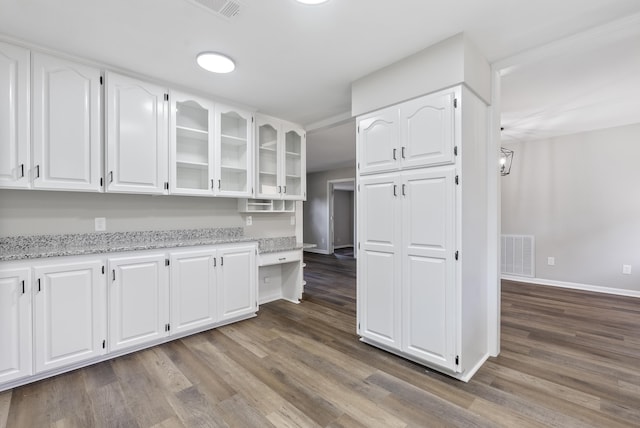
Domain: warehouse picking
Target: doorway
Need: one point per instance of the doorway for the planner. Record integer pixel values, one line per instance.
(341, 217)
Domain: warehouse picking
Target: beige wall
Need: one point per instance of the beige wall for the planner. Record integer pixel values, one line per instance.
(578, 195)
(32, 212)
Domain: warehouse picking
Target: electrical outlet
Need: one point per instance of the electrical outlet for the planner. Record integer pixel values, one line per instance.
(100, 224)
(249, 220)
(293, 220)
(551, 261)
(626, 269)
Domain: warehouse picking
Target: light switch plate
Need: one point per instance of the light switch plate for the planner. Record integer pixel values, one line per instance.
(551, 261)
(100, 224)
(626, 269)
(249, 220)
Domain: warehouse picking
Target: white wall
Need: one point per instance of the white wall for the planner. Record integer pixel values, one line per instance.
(33, 212)
(315, 207)
(578, 195)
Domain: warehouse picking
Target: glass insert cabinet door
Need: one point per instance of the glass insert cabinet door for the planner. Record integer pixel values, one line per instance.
(191, 144)
(233, 171)
(293, 161)
(268, 180)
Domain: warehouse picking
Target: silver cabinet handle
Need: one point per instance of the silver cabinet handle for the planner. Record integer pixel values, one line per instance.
(212, 183)
(394, 154)
(37, 171)
(221, 261)
(279, 189)
(282, 259)
(21, 170)
(403, 191)
(110, 176)
(395, 190)
(219, 184)
(403, 148)
(284, 189)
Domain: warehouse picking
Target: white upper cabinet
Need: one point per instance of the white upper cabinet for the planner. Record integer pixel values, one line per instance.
(426, 130)
(14, 117)
(67, 149)
(294, 162)
(416, 134)
(234, 152)
(377, 141)
(281, 160)
(136, 130)
(191, 145)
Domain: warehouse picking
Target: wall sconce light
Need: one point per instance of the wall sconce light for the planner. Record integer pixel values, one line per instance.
(506, 157)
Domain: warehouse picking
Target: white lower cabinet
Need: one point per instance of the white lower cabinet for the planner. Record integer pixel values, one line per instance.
(88, 308)
(193, 290)
(237, 290)
(212, 285)
(15, 324)
(138, 300)
(69, 308)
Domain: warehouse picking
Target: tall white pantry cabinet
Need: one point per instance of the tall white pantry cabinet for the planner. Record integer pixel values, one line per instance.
(422, 195)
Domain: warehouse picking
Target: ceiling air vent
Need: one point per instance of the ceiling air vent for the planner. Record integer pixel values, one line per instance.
(224, 8)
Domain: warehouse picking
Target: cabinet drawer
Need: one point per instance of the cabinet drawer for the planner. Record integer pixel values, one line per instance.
(279, 257)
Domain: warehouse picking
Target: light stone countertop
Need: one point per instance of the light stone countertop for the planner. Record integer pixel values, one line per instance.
(43, 246)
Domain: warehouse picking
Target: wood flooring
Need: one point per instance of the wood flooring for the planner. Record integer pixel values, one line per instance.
(569, 359)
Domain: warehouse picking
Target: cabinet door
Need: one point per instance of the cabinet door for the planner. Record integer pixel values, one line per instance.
(234, 152)
(191, 145)
(378, 148)
(193, 290)
(237, 274)
(138, 306)
(379, 260)
(267, 159)
(293, 163)
(427, 130)
(429, 288)
(15, 324)
(136, 130)
(14, 117)
(67, 147)
(69, 307)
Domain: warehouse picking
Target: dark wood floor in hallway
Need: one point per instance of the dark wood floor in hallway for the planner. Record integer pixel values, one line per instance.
(569, 359)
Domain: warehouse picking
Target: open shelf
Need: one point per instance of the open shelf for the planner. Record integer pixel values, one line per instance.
(266, 206)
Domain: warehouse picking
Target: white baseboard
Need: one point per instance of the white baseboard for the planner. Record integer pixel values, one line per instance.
(574, 286)
(316, 250)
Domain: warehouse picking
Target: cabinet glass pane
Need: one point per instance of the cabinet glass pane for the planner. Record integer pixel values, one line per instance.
(192, 146)
(293, 163)
(233, 152)
(267, 159)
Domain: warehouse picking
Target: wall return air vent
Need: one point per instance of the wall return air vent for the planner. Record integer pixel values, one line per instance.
(227, 9)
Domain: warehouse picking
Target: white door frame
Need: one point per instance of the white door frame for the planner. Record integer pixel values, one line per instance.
(330, 203)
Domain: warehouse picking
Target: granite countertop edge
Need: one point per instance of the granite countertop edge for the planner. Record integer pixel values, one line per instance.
(265, 246)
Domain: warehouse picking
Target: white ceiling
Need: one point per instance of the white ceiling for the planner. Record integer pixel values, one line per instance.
(578, 85)
(293, 61)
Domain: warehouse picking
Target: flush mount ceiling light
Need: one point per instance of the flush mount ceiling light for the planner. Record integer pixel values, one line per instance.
(215, 62)
(312, 1)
